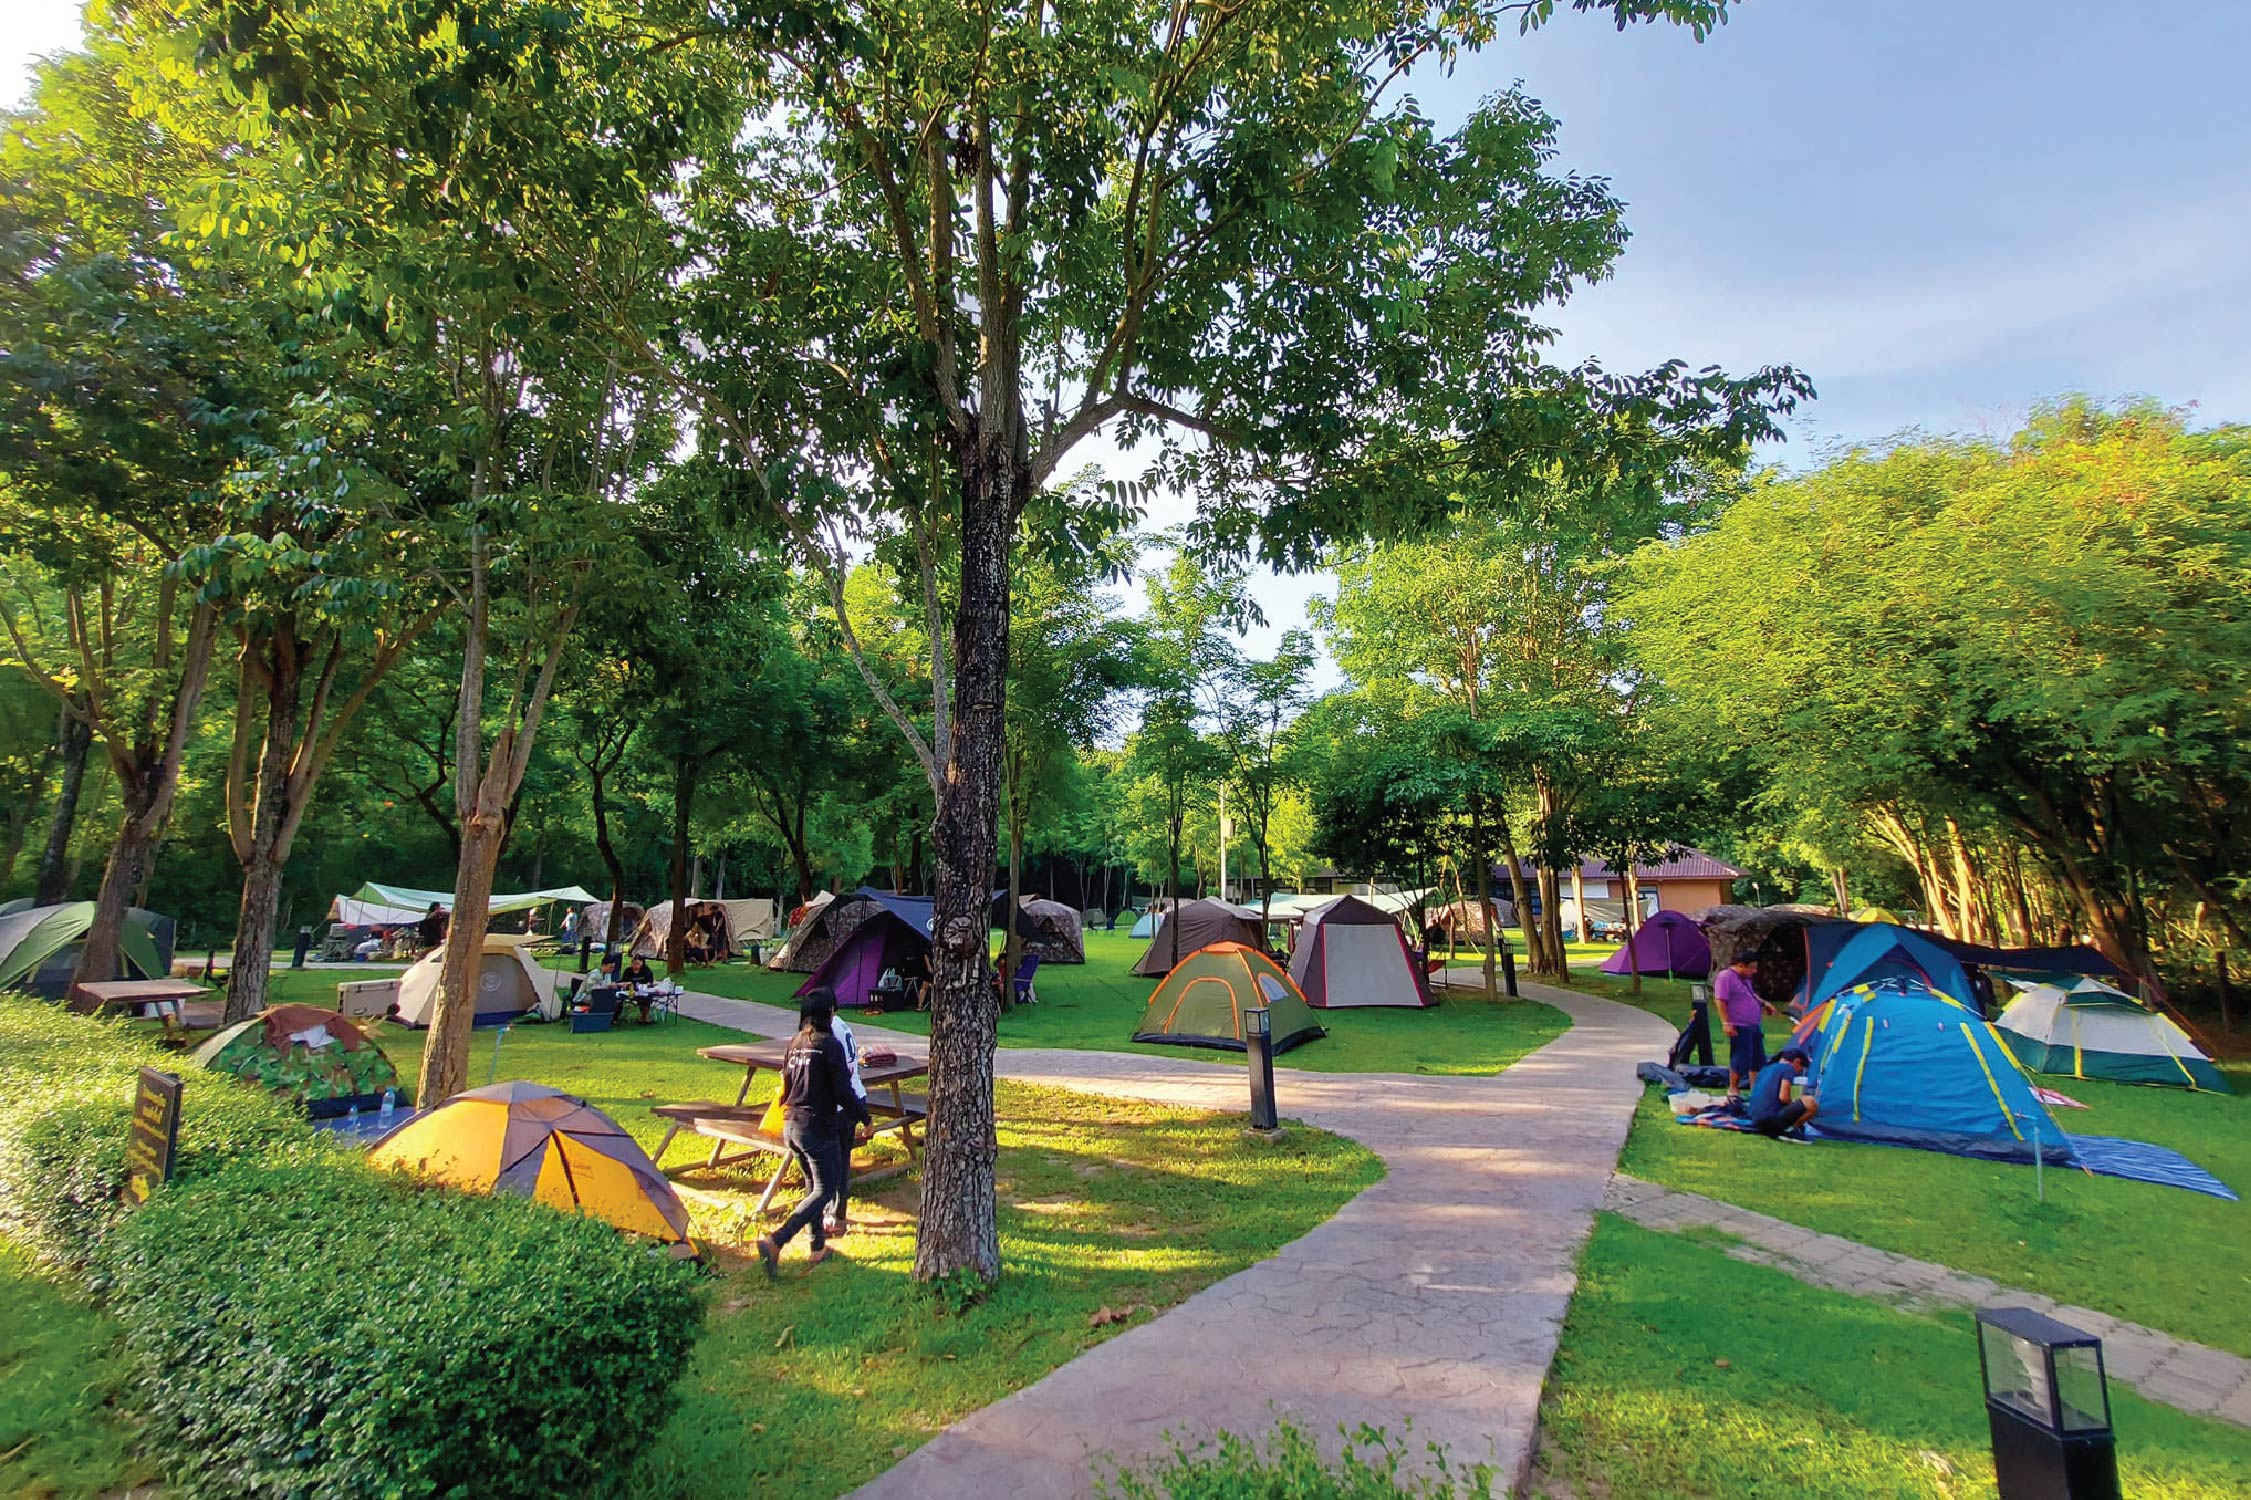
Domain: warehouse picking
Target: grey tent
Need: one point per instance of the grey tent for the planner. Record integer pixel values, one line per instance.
(1061, 939)
(1351, 953)
(828, 921)
(1196, 925)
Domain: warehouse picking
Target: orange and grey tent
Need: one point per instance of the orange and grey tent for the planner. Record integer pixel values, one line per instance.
(543, 1144)
(1201, 1002)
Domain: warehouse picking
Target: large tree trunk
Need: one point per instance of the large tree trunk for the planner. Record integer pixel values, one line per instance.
(959, 1232)
(606, 847)
(101, 957)
(684, 774)
(74, 741)
(1633, 910)
(251, 969)
(1486, 918)
(445, 1057)
(261, 849)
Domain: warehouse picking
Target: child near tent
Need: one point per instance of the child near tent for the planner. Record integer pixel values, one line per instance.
(816, 1098)
(1777, 1108)
(1741, 1012)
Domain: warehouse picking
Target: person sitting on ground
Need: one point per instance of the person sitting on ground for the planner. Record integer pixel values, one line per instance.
(699, 944)
(1777, 1108)
(1741, 1012)
(816, 1098)
(367, 947)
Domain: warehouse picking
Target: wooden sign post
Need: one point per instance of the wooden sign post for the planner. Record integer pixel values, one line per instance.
(156, 1134)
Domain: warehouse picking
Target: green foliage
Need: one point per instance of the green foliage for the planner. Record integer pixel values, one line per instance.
(64, 1432)
(323, 1328)
(1286, 1463)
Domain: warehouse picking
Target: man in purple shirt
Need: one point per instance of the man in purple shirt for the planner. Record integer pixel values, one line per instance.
(1741, 1011)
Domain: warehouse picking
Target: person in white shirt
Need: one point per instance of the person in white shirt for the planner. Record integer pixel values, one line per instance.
(843, 1034)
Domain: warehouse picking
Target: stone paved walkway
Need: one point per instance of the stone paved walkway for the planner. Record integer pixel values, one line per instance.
(1436, 1295)
(2209, 1382)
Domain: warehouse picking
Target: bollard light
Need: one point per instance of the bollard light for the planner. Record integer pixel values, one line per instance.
(2048, 1405)
(1258, 1041)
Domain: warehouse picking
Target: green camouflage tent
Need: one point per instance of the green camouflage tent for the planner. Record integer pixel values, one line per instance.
(317, 1058)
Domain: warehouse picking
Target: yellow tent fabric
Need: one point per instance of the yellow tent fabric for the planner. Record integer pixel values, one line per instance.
(543, 1144)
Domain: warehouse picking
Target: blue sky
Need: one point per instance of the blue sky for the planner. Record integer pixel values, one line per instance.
(1941, 210)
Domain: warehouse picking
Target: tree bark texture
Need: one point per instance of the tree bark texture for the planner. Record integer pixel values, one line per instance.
(74, 742)
(262, 848)
(684, 773)
(959, 1231)
(445, 1058)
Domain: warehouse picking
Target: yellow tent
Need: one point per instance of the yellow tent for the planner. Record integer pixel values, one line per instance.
(543, 1144)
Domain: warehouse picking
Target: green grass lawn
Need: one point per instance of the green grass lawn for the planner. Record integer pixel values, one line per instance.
(61, 1436)
(1688, 1375)
(2175, 1260)
(1096, 1005)
(819, 1383)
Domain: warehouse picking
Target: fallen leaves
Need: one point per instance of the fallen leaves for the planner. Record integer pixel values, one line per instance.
(1105, 1315)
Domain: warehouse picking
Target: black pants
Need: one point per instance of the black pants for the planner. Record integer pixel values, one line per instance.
(819, 1154)
(1787, 1118)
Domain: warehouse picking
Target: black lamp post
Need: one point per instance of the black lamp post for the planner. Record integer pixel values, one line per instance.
(1258, 1041)
(2049, 1407)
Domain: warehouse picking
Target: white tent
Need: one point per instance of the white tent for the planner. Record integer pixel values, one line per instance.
(1351, 953)
(508, 983)
(353, 912)
(750, 917)
(415, 901)
(2090, 1030)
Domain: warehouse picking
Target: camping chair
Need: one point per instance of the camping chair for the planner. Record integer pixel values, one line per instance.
(1022, 984)
(666, 1004)
(336, 947)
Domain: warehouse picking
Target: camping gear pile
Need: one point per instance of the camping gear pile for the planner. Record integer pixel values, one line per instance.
(539, 1143)
(1202, 1000)
(316, 1058)
(1351, 952)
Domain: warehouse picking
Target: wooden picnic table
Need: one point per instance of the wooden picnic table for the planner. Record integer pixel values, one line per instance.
(740, 1125)
(173, 999)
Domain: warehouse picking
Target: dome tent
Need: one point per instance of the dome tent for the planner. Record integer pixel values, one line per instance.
(317, 1058)
(1201, 1002)
(654, 931)
(540, 1143)
(1196, 925)
(39, 946)
(1061, 937)
(1350, 953)
(2089, 1030)
(508, 983)
(1668, 943)
(827, 920)
(1897, 1063)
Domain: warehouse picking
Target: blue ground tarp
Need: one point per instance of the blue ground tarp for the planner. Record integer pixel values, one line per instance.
(2139, 1161)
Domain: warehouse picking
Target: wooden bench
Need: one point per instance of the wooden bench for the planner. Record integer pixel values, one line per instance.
(741, 1126)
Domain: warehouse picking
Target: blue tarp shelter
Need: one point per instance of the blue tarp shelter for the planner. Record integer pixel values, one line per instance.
(1895, 1062)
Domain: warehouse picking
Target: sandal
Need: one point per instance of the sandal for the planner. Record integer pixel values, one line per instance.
(819, 1255)
(770, 1257)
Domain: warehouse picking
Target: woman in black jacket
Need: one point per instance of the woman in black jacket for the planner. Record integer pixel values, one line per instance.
(817, 1099)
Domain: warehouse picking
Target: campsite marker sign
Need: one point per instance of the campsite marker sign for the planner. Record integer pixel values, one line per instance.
(155, 1133)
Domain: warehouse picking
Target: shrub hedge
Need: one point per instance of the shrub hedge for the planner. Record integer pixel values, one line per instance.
(300, 1325)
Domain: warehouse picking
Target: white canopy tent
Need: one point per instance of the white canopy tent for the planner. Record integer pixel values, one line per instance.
(410, 904)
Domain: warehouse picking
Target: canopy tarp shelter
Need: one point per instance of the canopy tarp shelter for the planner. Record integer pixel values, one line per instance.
(39, 947)
(654, 930)
(1896, 1062)
(353, 912)
(1198, 924)
(1061, 938)
(1201, 1002)
(407, 898)
(1668, 943)
(539, 1143)
(2087, 1029)
(317, 1058)
(1352, 953)
(508, 983)
(884, 940)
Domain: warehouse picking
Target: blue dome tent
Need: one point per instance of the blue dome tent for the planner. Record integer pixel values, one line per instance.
(1840, 955)
(1897, 1063)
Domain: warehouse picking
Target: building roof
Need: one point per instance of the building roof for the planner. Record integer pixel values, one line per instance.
(1693, 864)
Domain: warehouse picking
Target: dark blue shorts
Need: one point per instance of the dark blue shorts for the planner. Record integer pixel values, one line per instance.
(1746, 1052)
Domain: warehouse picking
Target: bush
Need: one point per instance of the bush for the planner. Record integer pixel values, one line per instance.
(1287, 1465)
(300, 1325)
(325, 1329)
(66, 1104)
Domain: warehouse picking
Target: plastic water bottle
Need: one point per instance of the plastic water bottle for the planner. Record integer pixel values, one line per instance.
(390, 1104)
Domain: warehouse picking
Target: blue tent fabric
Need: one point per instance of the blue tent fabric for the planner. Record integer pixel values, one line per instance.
(1839, 956)
(1896, 1063)
(2139, 1161)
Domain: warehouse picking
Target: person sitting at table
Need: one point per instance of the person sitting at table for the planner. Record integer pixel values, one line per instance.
(914, 979)
(816, 1099)
(637, 979)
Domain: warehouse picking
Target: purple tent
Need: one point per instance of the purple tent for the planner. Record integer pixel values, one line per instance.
(883, 941)
(1667, 943)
